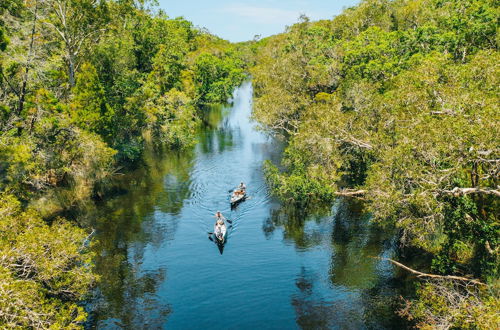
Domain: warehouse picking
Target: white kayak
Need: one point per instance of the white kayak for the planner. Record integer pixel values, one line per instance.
(220, 233)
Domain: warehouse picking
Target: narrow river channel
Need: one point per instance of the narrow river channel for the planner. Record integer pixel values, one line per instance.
(282, 268)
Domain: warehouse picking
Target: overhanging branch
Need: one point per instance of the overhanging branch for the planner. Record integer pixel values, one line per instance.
(420, 274)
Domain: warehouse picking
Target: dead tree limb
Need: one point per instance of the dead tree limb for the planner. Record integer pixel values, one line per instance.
(467, 191)
(87, 239)
(349, 192)
(420, 274)
(8, 83)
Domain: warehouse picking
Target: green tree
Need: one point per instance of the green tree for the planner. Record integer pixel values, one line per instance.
(78, 23)
(89, 108)
(216, 77)
(44, 270)
(83, 85)
(172, 119)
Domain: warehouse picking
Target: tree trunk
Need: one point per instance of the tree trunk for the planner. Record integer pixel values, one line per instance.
(71, 69)
(22, 93)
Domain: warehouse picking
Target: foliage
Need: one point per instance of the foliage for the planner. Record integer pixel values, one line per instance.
(397, 100)
(172, 118)
(44, 270)
(135, 72)
(53, 154)
(77, 24)
(443, 305)
(216, 77)
(297, 187)
(3, 40)
(89, 108)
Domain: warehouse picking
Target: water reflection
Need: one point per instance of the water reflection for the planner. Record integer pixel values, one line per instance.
(216, 136)
(304, 227)
(125, 230)
(358, 290)
(355, 241)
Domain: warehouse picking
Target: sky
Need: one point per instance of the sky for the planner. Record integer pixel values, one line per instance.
(242, 20)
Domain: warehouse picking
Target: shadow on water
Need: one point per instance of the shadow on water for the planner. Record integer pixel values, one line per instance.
(220, 246)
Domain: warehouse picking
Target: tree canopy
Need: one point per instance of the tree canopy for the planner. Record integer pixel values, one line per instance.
(395, 102)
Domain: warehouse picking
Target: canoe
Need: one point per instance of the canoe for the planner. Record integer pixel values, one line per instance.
(236, 198)
(220, 239)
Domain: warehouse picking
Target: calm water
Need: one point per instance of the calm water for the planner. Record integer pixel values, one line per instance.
(281, 268)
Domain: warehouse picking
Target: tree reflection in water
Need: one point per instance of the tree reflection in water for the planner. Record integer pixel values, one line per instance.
(216, 136)
(358, 291)
(125, 231)
(294, 220)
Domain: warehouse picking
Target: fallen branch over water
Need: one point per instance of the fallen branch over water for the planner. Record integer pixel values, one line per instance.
(455, 191)
(420, 274)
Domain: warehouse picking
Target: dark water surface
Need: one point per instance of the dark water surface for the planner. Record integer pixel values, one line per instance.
(282, 268)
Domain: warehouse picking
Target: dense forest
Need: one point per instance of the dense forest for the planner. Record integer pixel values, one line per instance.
(85, 86)
(396, 102)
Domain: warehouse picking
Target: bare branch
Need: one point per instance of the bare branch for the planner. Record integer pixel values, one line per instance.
(350, 192)
(467, 191)
(8, 83)
(420, 274)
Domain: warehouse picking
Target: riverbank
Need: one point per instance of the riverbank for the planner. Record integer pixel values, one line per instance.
(392, 103)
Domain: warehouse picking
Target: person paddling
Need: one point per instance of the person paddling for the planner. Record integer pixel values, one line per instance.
(240, 190)
(220, 226)
(219, 216)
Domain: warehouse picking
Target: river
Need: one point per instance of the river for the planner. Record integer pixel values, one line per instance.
(282, 268)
